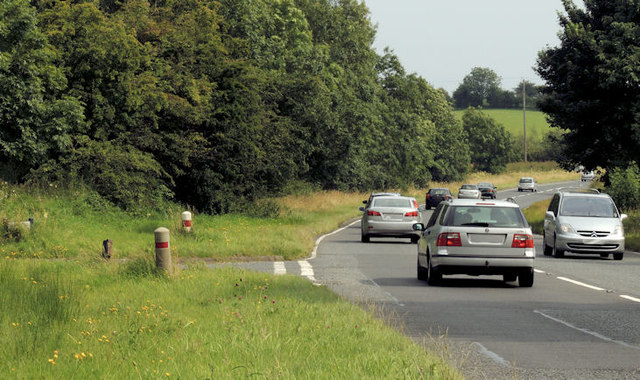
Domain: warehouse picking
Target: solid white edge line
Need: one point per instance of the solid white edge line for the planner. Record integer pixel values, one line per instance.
(634, 299)
(314, 252)
(592, 333)
(580, 283)
(492, 355)
(539, 271)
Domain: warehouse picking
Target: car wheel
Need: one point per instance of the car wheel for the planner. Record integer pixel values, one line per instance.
(546, 250)
(433, 274)
(557, 252)
(509, 277)
(364, 238)
(422, 273)
(618, 255)
(414, 239)
(525, 278)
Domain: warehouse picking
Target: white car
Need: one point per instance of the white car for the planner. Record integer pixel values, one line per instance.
(588, 176)
(390, 216)
(527, 184)
(468, 191)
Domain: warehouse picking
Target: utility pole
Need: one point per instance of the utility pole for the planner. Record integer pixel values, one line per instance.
(524, 117)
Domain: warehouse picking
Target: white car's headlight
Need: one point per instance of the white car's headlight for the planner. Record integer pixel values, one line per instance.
(567, 228)
(618, 231)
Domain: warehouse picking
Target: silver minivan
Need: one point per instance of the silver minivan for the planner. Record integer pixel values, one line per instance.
(582, 221)
(476, 237)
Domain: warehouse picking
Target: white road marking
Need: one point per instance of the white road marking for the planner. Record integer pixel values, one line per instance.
(592, 333)
(279, 268)
(492, 355)
(306, 270)
(539, 271)
(387, 293)
(580, 283)
(634, 299)
(314, 252)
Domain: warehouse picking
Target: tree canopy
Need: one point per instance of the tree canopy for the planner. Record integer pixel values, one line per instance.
(214, 103)
(592, 83)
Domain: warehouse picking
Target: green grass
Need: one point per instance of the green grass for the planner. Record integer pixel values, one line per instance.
(107, 320)
(512, 120)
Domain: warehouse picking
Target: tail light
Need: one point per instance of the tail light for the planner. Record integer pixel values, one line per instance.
(449, 239)
(415, 204)
(411, 213)
(522, 241)
(428, 196)
(373, 213)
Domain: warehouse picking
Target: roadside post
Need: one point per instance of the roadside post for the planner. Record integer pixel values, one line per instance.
(186, 221)
(163, 249)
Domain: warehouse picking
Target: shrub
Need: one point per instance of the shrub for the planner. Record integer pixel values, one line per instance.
(624, 186)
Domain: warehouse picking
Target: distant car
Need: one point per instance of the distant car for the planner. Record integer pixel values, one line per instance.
(476, 237)
(468, 191)
(487, 190)
(527, 184)
(390, 216)
(436, 195)
(373, 195)
(588, 176)
(583, 222)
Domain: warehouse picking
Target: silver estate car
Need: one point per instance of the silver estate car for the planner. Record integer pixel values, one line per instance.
(527, 184)
(390, 216)
(583, 222)
(468, 191)
(476, 237)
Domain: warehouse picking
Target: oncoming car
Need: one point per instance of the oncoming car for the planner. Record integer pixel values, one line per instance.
(583, 222)
(476, 237)
(390, 216)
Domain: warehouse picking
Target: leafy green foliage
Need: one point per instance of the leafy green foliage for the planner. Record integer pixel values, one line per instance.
(624, 186)
(489, 142)
(592, 88)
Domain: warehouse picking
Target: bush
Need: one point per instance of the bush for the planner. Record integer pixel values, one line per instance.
(624, 186)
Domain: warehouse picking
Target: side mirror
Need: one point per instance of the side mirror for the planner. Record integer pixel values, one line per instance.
(623, 216)
(361, 209)
(365, 202)
(549, 215)
(418, 227)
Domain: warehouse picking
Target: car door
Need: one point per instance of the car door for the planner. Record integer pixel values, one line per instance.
(550, 222)
(425, 238)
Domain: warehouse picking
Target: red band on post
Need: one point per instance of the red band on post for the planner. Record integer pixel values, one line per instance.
(162, 244)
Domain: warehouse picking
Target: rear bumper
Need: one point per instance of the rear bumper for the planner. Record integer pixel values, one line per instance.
(480, 265)
(397, 229)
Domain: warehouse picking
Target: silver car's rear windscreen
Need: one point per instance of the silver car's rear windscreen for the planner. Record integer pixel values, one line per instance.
(480, 216)
(391, 202)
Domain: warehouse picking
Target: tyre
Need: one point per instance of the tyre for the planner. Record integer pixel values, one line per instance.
(433, 274)
(618, 256)
(364, 238)
(546, 250)
(525, 278)
(422, 273)
(509, 277)
(557, 252)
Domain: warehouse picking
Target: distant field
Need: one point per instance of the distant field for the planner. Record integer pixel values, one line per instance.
(537, 125)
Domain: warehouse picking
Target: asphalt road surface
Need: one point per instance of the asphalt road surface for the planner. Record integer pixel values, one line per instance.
(580, 320)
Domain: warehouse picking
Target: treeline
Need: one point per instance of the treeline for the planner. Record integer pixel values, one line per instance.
(214, 103)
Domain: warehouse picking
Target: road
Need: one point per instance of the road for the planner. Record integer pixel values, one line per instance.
(580, 320)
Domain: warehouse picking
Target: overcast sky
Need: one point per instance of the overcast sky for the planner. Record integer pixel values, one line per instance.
(443, 40)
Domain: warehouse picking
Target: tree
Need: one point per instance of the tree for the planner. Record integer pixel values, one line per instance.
(36, 117)
(480, 88)
(489, 141)
(532, 94)
(592, 83)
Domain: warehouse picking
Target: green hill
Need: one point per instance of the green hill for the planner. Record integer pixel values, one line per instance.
(537, 125)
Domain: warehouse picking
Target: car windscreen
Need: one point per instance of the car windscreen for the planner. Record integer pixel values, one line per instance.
(588, 206)
(392, 202)
(469, 187)
(438, 192)
(485, 216)
(526, 180)
(484, 185)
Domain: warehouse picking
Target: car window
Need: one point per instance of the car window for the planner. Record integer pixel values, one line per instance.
(526, 180)
(434, 215)
(485, 216)
(588, 206)
(392, 202)
(469, 187)
(439, 191)
(553, 205)
(444, 213)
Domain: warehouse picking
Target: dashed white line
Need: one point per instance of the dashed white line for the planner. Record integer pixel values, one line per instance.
(592, 333)
(279, 268)
(634, 299)
(580, 283)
